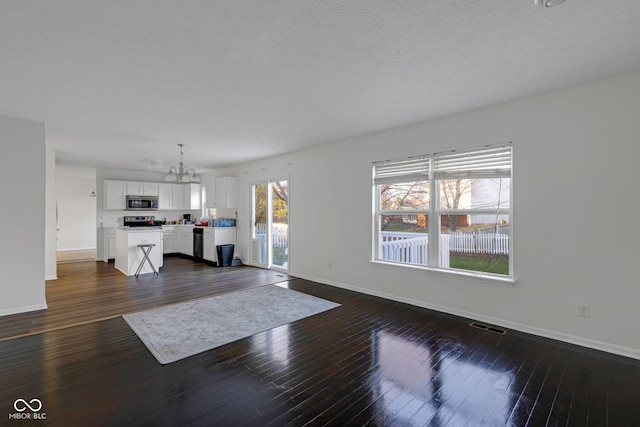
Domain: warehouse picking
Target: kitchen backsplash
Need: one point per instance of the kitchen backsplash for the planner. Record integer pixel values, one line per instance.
(116, 218)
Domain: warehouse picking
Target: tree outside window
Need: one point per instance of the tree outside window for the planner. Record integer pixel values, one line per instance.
(468, 214)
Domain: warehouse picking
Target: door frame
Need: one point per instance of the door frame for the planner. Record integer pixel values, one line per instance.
(269, 242)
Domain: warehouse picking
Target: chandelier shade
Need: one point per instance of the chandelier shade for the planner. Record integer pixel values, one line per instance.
(181, 173)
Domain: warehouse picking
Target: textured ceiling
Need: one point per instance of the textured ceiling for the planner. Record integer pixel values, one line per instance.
(119, 83)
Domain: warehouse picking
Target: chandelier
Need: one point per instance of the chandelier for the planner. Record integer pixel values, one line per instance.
(181, 173)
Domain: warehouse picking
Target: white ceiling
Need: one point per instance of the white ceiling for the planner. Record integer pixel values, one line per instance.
(119, 83)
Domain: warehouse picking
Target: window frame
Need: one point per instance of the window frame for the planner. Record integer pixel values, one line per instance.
(435, 211)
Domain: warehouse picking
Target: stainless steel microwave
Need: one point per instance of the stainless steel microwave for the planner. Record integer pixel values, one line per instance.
(142, 203)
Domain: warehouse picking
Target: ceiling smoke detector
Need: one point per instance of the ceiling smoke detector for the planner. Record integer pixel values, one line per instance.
(548, 3)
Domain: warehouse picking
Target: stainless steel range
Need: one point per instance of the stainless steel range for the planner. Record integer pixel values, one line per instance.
(142, 221)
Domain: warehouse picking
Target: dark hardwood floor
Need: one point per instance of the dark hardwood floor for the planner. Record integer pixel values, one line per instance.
(90, 291)
(368, 362)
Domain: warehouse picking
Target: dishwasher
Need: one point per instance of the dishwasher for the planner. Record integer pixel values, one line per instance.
(198, 243)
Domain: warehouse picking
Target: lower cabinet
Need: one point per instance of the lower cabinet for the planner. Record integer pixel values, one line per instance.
(214, 237)
(130, 256)
(169, 245)
(108, 244)
(111, 254)
(209, 246)
(179, 239)
(185, 240)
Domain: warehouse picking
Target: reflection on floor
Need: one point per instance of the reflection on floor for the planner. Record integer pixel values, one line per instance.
(369, 362)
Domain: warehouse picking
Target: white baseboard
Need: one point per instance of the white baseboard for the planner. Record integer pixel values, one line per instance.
(24, 309)
(534, 330)
(54, 277)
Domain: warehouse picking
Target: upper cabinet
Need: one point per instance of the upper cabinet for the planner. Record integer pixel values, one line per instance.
(115, 193)
(179, 196)
(135, 188)
(227, 192)
(193, 196)
(170, 196)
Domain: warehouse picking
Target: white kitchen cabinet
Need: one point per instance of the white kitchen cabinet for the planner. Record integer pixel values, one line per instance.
(177, 239)
(225, 235)
(178, 193)
(227, 192)
(136, 188)
(185, 240)
(111, 239)
(193, 196)
(169, 240)
(129, 255)
(114, 194)
(214, 236)
(209, 245)
(179, 196)
(171, 197)
(108, 243)
(165, 196)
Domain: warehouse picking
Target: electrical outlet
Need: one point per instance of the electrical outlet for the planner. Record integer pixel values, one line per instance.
(584, 310)
(330, 266)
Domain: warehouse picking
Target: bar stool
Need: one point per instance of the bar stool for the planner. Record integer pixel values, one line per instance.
(146, 249)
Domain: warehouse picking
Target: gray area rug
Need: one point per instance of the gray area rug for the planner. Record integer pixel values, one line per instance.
(181, 330)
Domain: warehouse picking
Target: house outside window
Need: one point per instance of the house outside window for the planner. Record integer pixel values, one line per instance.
(448, 211)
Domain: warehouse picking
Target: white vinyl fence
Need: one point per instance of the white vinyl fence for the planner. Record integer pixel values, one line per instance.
(279, 234)
(413, 248)
(479, 243)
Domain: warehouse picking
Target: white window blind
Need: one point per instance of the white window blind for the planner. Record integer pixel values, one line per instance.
(492, 161)
(411, 169)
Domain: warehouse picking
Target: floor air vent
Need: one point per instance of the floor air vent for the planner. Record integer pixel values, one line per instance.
(488, 328)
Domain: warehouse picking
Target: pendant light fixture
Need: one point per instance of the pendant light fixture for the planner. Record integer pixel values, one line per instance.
(181, 173)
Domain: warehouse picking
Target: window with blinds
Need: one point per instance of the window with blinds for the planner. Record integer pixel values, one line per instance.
(449, 211)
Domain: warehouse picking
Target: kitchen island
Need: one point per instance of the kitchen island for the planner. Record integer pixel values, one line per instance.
(129, 255)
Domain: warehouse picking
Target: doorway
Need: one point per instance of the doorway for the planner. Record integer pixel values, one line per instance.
(270, 224)
(76, 209)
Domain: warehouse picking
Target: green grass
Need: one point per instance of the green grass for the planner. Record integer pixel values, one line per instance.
(279, 256)
(497, 264)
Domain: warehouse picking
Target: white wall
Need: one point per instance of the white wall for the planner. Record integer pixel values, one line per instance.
(51, 235)
(575, 207)
(22, 213)
(76, 209)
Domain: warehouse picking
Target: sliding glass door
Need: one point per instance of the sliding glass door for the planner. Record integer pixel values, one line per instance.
(270, 224)
(259, 243)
